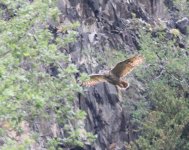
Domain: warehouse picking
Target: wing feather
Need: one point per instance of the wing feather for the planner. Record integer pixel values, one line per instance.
(94, 79)
(125, 67)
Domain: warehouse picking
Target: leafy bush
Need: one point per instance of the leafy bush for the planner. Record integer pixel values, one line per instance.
(37, 80)
(175, 32)
(167, 78)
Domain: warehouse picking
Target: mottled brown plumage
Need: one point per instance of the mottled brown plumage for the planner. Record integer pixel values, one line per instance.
(116, 75)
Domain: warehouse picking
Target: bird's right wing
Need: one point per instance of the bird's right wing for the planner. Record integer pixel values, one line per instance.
(94, 79)
(125, 67)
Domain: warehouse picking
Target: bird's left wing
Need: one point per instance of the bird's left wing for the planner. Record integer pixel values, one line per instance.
(94, 79)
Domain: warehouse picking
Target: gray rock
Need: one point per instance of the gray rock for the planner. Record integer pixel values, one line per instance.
(182, 25)
(105, 115)
(108, 24)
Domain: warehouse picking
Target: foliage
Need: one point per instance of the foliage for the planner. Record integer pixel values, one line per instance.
(30, 90)
(167, 78)
(175, 32)
(182, 6)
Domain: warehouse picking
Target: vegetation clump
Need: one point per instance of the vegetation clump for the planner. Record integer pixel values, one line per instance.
(165, 118)
(36, 88)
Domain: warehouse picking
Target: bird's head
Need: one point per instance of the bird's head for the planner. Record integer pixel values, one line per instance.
(136, 60)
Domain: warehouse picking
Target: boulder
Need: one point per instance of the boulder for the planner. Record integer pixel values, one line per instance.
(182, 25)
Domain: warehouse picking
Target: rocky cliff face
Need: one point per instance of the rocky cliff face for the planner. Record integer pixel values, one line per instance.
(107, 24)
(108, 33)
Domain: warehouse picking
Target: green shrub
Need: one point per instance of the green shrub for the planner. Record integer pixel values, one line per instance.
(166, 77)
(28, 92)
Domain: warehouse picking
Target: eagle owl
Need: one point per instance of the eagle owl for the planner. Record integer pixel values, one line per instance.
(116, 75)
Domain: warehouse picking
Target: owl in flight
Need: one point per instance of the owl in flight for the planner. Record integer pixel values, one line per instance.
(116, 75)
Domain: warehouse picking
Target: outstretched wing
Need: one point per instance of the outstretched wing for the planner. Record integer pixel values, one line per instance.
(125, 67)
(94, 79)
